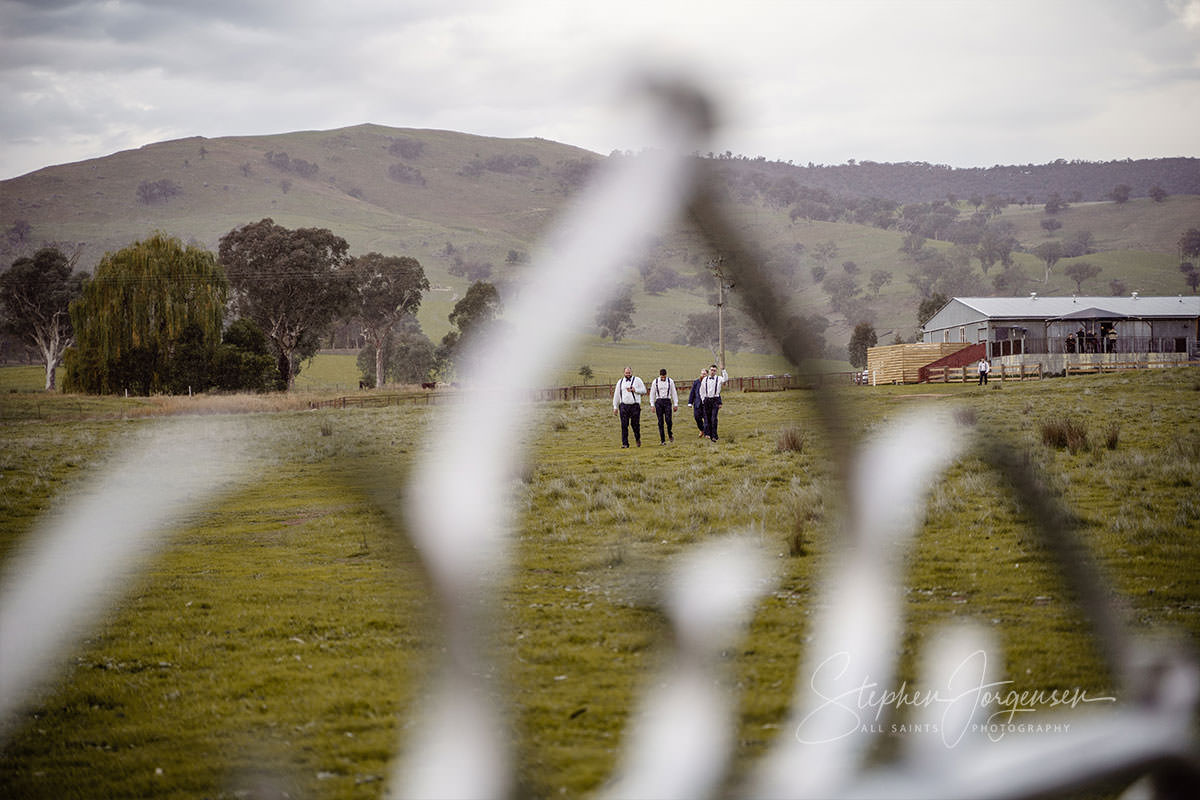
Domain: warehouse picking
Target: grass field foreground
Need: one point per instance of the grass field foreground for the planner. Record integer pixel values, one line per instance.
(284, 637)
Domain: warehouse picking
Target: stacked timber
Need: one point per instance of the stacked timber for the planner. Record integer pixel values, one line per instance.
(901, 363)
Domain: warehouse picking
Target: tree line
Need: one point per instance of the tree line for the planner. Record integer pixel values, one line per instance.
(162, 316)
(907, 182)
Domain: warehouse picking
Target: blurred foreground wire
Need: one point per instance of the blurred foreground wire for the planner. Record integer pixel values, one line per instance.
(683, 736)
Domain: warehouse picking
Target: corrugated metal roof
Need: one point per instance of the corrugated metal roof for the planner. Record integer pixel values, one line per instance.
(1038, 307)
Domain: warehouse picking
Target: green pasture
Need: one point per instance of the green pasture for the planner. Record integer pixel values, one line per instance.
(282, 639)
(607, 359)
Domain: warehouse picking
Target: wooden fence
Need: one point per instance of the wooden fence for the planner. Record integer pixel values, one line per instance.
(1116, 366)
(602, 391)
(1021, 372)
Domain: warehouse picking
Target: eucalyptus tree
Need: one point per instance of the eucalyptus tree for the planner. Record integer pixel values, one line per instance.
(476, 312)
(1080, 271)
(35, 297)
(614, 317)
(386, 289)
(140, 310)
(864, 337)
(1050, 252)
(291, 283)
(1189, 244)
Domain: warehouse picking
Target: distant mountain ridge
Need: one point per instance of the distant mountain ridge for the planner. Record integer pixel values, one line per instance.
(1082, 181)
(470, 206)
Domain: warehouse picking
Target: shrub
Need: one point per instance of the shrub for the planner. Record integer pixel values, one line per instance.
(1067, 433)
(406, 174)
(966, 416)
(404, 147)
(1112, 435)
(160, 191)
(790, 440)
(796, 540)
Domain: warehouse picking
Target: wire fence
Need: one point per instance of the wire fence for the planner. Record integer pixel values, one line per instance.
(681, 734)
(590, 391)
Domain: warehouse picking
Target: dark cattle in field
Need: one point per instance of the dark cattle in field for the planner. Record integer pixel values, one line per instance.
(428, 385)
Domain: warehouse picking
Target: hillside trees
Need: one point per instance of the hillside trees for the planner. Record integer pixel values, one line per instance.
(148, 315)
(995, 245)
(243, 361)
(291, 283)
(1011, 280)
(1189, 244)
(1054, 204)
(386, 289)
(864, 336)
(476, 311)
(879, 279)
(408, 355)
(1049, 252)
(281, 161)
(930, 306)
(160, 191)
(18, 232)
(35, 297)
(1080, 271)
(701, 330)
(615, 315)
(937, 273)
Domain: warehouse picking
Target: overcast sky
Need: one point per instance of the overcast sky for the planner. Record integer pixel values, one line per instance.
(953, 82)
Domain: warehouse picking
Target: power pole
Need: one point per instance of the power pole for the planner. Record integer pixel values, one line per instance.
(717, 265)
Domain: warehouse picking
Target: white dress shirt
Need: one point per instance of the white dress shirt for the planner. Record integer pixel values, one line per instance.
(628, 390)
(664, 389)
(711, 385)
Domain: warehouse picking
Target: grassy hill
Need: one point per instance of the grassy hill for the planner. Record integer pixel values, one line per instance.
(443, 197)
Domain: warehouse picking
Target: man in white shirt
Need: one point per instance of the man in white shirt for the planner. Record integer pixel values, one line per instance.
(665, 399)
(984, 369)
(627, 403)
(710, 399)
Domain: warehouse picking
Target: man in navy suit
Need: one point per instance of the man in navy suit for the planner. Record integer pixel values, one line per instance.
(695, 404)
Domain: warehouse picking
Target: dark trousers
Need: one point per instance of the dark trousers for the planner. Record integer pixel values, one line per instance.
(631, 415)
(662, 409)
(712, 406)
(698, 414)
(983, 373)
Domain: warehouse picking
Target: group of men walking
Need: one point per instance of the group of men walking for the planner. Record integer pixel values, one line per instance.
(704, 400)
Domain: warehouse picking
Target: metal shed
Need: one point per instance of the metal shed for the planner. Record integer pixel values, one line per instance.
(1050, 330)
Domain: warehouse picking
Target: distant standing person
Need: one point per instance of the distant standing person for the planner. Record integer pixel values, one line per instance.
(695, 404)
(710, 399)
(984, 369)
(627, 403)
(665, 398)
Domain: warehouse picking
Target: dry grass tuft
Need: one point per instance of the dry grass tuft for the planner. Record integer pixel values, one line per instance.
(1112, 435)
(1069, 434)
(966, 416)
(790, 440)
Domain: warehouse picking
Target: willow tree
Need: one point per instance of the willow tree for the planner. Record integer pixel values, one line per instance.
(140, 310)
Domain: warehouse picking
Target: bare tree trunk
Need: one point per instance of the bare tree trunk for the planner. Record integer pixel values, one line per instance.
(51, 347)
(285, 369)
(378, 365)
